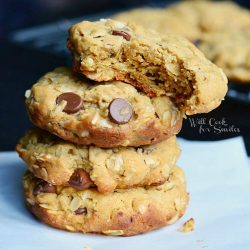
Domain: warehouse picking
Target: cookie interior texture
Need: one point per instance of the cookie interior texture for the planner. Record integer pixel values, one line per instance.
(157, 64)
(55, 161)
(153, 119)
(123, 212)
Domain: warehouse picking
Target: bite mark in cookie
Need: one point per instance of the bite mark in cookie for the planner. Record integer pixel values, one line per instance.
(155, 64)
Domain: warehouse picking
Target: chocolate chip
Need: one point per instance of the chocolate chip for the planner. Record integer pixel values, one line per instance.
(119, 214)
(124, 34)
(158, 183)
(120, 111)
(80, 179)
(81, 210)
(44, 187)
(197, 42)
(74, 102)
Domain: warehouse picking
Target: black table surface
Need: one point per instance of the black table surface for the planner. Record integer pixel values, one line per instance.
(21, 67)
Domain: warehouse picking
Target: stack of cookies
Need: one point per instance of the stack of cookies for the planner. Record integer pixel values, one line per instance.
(103, 158)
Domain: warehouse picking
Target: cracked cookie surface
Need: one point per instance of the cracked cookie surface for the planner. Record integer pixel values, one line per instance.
(124, 212)
(159, 65)
(55, 161)
(153, 120)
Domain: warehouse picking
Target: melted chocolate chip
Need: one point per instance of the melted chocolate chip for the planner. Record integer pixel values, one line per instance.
(80, 180)
(81, 210)
(120, 111)
(74, 102)
(124, 34)
(119, 214)
(44, 187)
(197, 42)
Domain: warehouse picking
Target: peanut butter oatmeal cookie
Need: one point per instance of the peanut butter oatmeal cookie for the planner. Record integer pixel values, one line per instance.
(62, 163)
(207, 17)
(122, 213)
(191, 19)
(162, 21)
(230, 51)
(106, 115)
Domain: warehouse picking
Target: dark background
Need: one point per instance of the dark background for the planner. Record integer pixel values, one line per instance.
(22, 65)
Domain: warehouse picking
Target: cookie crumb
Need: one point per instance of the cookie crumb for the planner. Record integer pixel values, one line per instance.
(27, 93)
(87, 247)
(188, 226)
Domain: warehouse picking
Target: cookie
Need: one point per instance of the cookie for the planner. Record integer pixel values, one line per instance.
(162, 21)
(106, 115)
(231, 51)
(211, 16)
(191, 19)
(207, 17)
(59, 162)
(158, 65)
(122, 213)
